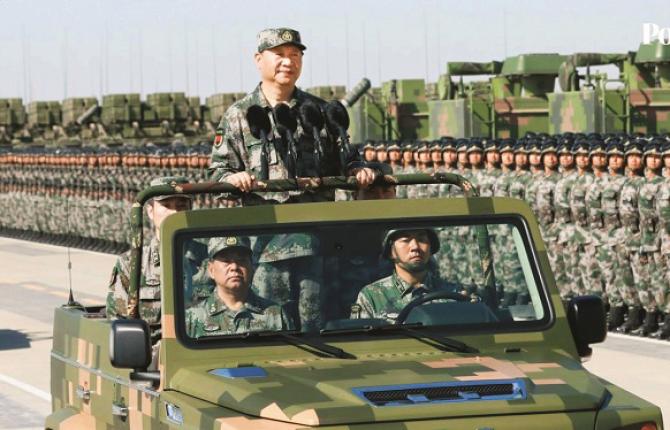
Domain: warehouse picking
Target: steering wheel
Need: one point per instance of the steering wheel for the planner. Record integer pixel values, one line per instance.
(428, 297)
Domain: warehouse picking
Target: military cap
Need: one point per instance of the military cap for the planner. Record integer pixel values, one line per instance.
(520, 147)
(565, 146)
(393, 234)
(490, 145)
(381, 146)
(634, 147)
(368, 145)
(665, 148)
(423, 147)
(436, 146)
(218, 244)
(549, 145)
(506, 145)
(448, 145)
(533, 146)
(598, 147)
(172, 181)
(461, 145)
(475, 146)
(615, 147)
(653, 147)
(273, 37)
(408, 147)
(581, 146)
(393, 147)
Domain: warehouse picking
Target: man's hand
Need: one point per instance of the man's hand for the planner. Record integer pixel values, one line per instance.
(242, 180)
(365, 177)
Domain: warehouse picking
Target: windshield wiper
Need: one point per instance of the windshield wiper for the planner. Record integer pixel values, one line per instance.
(290, 337)
(441, 343)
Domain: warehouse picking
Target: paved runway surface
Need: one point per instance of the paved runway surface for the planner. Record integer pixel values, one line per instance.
(34, 280)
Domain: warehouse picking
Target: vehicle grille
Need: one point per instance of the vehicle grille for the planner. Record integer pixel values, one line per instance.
(442, 392)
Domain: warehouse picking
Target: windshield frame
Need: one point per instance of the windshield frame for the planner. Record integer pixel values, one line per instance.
(181, 236)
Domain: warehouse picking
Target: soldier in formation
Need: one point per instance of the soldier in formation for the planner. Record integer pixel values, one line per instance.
(603, 204)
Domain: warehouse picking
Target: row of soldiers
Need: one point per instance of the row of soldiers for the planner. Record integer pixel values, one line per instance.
(81, 196)
(603, 204)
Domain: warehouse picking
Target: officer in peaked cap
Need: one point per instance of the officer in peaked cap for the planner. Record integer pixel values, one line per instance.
(232, 306)
(236, 154)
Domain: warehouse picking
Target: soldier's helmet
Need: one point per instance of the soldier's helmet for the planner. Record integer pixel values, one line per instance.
(218, 244)
(172, 181)
(635, 147)
(615, 148)
(533, 146)
(548, 146)
(581, 146)
(475, 146)
(393, 234)
(490, 145)
(653, 147)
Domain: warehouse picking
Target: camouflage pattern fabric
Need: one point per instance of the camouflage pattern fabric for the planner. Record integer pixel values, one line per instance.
(386, 297)
(212, 317)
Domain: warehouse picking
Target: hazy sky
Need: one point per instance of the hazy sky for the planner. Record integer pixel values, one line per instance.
(55, 49)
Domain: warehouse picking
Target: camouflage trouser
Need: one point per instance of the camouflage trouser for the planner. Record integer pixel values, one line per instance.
(296, 283)
(648, 274)
(621, 284)
(606, 257)
(571, 252)
(591, 278)
(555, 252)
(508, 272)
(448, 256)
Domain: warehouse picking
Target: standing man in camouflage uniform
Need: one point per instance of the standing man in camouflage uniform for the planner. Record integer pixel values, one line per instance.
(632, 260)
(652, 286)
(663, 214)
(289, 265)
(534, 148)
(580, 251)
(521, 176)
(119, 303)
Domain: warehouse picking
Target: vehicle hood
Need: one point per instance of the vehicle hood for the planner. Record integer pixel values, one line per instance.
(322, 391)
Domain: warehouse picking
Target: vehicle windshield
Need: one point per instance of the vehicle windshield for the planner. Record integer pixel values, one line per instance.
(353, 276)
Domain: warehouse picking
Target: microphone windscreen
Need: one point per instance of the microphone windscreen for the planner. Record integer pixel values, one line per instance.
(258, 121)
(337, 114)
(286, 116)
(311, 116)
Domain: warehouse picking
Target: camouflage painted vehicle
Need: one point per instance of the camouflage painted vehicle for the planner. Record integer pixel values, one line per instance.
(461, 361)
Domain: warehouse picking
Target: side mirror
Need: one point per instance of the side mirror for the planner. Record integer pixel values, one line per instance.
(130, 348)
(586, 315)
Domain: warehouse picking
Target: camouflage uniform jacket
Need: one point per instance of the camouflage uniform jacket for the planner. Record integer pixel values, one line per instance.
(628, 210)
(212, 317)
(236, 150)
(650, 240)
(487, 181)
(118, 301)
(520, 180)
(386, 297)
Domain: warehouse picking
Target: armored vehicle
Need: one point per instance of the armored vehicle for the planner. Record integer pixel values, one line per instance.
(382, 357)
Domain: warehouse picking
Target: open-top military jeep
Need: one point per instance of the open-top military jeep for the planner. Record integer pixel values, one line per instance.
(459, 357)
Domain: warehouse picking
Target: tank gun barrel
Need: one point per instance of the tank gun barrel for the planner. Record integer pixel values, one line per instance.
(356, 93)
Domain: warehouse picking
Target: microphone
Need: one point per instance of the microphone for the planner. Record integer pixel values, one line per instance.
(312, 122)
(337, 120)
(287, 124)
(260, 127)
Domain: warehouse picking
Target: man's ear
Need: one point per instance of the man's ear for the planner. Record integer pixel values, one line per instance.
(257, 59)
(210, 268)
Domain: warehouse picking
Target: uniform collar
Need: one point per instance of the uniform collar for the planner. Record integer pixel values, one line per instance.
(260, 99)
(404, 288)
(214, 305)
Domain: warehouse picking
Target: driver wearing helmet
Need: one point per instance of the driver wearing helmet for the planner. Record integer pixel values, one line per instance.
(410, 251)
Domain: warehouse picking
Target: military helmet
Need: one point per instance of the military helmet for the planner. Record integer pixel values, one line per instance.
(520, 147)
(506, 145)
(393, 147)
(533, 146)
(475, 146)
(436, 146)
(548, 146)
(392, 234)
(635, 147)
(461, 145)
(423, 147)
(490, 145)
(581, 146)
(653, 147)
(615, 148)
(218, 244)
(381, 146)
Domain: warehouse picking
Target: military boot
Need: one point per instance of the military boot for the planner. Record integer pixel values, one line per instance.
(616, 317)
(650, 325)
(664, 330)
(634, 321)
